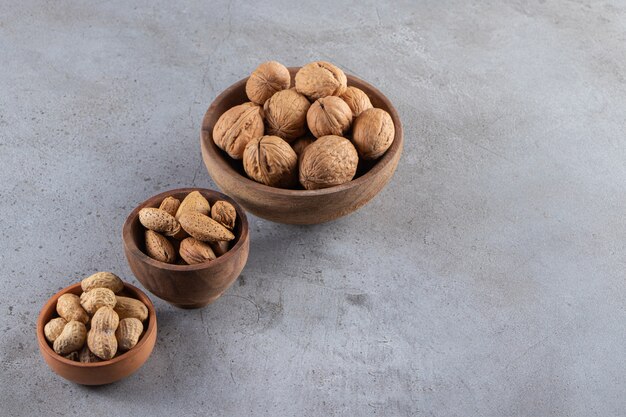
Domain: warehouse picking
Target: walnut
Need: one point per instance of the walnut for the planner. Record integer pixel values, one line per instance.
(267, 79)
(300, 144)
(329, 161)
(320, 79)
(285, 114)
(373, 133)
(271, 161)
(329, 116)
(357, 100)
(236, 127)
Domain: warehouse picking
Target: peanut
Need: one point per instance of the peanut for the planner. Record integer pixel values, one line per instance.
(102, 280)
(71, 338)
(101, 339)
(54, 328)
(68, 307)
(96, 298)
(130, 307)
(87, 356)
(128, 333)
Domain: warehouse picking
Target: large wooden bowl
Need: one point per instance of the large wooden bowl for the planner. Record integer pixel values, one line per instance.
(186, 286)
(297, 206)
(98, 373)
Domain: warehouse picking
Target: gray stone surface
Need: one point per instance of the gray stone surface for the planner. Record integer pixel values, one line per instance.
(487, 279)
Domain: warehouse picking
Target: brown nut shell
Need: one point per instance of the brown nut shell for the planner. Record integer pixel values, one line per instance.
(329, 116)
(220, 247)
(194, 201)
(159, 220)
(329, 161)
(267, 79)
(68, 307)
(87, 356)
(92, 300)
(128, 333)
(194, 251)
(224, 213)
(300, 144)
(271, 161)
(357, 100)
(71, 338)
(285, 114)
(159, 248)
(238, 126)
(320, 79)
(101, 337)
(204, 228)
(373, 133)
(102, 280)
(53, 328)
(129, 307)
(170, 205)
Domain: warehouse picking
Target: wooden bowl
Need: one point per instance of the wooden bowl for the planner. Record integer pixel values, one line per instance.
(186, 286)
(104, 372)
(297, 206)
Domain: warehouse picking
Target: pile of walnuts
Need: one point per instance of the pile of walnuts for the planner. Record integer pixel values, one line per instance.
(312, 134)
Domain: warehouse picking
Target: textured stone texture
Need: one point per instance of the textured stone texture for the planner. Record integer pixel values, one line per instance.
(486, 280)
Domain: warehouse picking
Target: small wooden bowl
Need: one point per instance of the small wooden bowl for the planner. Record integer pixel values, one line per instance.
(104, 372)
(297, 206)
(186, 286)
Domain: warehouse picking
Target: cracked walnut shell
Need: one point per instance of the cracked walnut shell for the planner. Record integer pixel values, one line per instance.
(285, 114)
(357, 100)
(238, 126)
(330, 160)
(271, 161)
(329, 116)
(373, 133)
(320, 79)
(267, 79)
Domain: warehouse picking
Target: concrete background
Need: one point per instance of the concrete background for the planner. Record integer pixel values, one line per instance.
(487, 279)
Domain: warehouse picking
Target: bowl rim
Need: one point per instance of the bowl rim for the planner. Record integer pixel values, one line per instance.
(46, 349)
(207, 143)
(130, 244)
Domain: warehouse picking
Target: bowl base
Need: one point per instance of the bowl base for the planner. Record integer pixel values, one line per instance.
(196, 305)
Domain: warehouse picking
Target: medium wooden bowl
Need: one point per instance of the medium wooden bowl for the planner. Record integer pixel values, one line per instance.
(297, 206)
(104, 372)
(186, 286)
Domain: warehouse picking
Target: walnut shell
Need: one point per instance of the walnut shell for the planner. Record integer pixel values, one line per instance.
(373, 133)
(357, 100)
(320, 79)
(329, 116)
(285, 114)
(330, 160)
(271, 161)
(269, 78)
(238, 126)
(300, 144)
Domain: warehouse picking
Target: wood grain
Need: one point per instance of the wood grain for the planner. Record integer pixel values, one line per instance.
(297, 206)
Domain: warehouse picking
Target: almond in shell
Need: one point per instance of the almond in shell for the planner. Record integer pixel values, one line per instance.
(159, 221)
(194, 251)
(224, 212)
(159, 248)
(194, 201)
(204, 228)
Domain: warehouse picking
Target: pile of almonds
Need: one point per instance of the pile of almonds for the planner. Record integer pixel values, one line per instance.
(312, 134)
(191, 228)
(107, 322)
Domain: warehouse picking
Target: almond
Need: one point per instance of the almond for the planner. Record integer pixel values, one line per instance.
(203, 227)
(194, 251)
(224, 213)
(220, 247)
(193, 202)
(159, 220)
(159, 248)
(170, 205)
